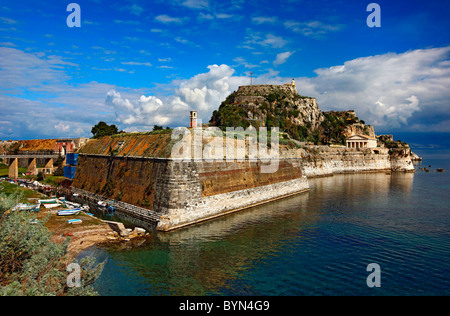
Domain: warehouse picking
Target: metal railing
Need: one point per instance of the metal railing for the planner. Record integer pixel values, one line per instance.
(133, 210)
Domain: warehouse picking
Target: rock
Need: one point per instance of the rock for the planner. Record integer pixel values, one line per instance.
(139, 231)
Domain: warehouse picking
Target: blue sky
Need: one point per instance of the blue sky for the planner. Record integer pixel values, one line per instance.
(139, 63)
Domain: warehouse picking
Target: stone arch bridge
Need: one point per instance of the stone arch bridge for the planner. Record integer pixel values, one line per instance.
(30, 158)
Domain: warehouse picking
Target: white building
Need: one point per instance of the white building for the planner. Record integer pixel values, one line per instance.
(361, 141)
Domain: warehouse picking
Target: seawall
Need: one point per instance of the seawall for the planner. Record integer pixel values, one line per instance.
(181, 192)
(319, 161)
(174, 193)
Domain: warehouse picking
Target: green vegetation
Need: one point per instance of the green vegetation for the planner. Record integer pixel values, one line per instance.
(395, 144)
(103, 129)
(333, 126)
(281, 108)
(7, 189)
(158, 131)
(31, 264)
(230, 116)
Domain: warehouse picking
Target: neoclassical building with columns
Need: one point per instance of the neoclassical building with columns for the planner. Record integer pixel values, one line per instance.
(361, 141)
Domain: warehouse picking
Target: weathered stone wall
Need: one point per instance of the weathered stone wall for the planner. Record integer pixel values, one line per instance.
(191, 192)
(186, 192)
(210, 207)
(127, 179)
(223, 177)
(323, 161)
(183, 192)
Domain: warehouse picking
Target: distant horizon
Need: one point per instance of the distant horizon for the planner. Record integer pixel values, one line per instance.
(140, 63)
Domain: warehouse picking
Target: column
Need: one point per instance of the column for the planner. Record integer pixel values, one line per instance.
(32, 166)
(48, 169)
(13, 172)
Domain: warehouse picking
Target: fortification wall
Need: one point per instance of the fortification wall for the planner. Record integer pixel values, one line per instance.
(265, 89)
(127, 179)
(187, 192)
(321, 161)
(183, 192)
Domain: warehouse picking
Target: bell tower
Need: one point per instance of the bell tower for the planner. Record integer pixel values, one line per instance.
(193, 119)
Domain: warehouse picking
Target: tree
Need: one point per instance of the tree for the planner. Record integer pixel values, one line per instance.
(103, 129)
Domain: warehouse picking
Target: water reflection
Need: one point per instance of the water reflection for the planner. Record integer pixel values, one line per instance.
(288, 247)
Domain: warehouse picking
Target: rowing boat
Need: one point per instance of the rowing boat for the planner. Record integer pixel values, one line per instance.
(69, 212)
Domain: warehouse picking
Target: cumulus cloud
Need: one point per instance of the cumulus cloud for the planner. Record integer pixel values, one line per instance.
(202, 93)
(390, 90)
(394, 91)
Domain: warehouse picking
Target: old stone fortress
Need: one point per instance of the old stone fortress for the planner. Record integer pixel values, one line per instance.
(136, 170)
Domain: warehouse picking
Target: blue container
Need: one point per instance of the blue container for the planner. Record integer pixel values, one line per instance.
(69, 171)
(72, 159)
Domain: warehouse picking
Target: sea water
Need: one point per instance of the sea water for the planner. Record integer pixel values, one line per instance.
(317, 243)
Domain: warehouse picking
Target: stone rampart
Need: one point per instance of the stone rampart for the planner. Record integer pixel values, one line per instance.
(183, 192)
(179, 192)
(321, 161)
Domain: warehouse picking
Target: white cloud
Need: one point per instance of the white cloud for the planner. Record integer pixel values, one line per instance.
(282, 58)
(224, 16)
(242, 62)
(7, 20)
(132, 63)
(264, 19)
(196, 4)
(37, 99)
(269, 40)
(405, 91)
(62, 127)
(389, 91)
(131, 22)
(166, 19)
(134, 9)
(312, 28)
(203, 93)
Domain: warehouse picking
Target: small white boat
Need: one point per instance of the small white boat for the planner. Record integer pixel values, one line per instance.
(74, 221)
(49, 201)
(26, 207)
(74, 211)
(72, 204)
(52, 205)
(85, 208)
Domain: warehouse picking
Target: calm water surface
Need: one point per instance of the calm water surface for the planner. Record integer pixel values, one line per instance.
(317, 243)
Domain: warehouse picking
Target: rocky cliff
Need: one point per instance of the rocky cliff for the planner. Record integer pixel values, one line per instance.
(282, 106)
(268, 105)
